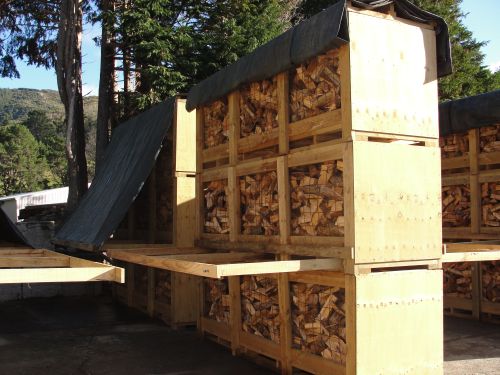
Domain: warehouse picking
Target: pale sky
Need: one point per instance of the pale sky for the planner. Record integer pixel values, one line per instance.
(482, 19)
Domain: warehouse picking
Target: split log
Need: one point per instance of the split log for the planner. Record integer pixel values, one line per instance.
(217, 300)
(315, 86)
(260, 205)
(489, 138)
(490, 204)
(258, 107)
(216, 123)
(260, 306)
(317, 199)
(491, 280)
(456, 206)
(163, 285)
(457, 280)
(454, 145)
(216, 216)
(318, 316)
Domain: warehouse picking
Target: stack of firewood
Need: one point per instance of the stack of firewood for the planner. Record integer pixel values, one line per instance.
(260, 306)
(457, 280)
(454, 145)
(216, 123)
(456, 206)
(315, 86)
(491, 280)
(258, 107)
(216, 217)
(217, 300)
(141, 279)
(489, 138)
(318, 317)
(317, 199)
(259, 202)
(163, 285)
(490, 202)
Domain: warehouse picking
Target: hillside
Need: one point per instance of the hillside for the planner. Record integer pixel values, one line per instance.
(15, 104)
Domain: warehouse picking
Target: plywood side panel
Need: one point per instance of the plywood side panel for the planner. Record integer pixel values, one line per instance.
(397, 202)
(399, 323)
(184, 211)
(393, 77)
(185, 138)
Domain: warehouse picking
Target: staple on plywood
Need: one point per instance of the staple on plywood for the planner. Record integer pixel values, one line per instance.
(259, 203)
(319, 320)
(317, 199)
(315, 86)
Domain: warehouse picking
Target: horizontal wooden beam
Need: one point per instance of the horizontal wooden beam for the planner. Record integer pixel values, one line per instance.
(28, 261)
(472, 256)
(58, 275)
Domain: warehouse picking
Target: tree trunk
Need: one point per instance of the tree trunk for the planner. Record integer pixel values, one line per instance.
(106, 86)
(69, 83)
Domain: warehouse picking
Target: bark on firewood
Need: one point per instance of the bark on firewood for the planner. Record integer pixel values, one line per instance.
(489, 138)
(217, 300)
(259, 202)
(491, 280)
(456, 206)
(454, 145)
(318, 320)
(216, 123)
(315, 86)
(457, 280)
(317, 199)
(163, 285)
(260, 306)
(490, 204)
(216, 217)
(258, 107)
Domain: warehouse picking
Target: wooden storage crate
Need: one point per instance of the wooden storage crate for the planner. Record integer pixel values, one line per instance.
(328, 320)
(471, 173)
(338, 159)
(169, 296)
(163, 212)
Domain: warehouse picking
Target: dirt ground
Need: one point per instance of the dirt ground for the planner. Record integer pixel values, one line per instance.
(89, 335)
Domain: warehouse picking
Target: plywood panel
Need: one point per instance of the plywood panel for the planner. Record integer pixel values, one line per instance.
(397, 202)
(184, 211)
(185, 138)
(393, 77)
(399, 322)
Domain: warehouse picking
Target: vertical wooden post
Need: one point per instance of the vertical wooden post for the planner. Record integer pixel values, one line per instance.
(284, 199)
(130, 284)
(350, 323)
(235, 315)
(476, 289)
(234, 126)
(283, 112)
(201, 306)
(152, 206)
(233, 201)
(151, 291)
(345, 91)
(348, 180)
(285, 321)
(199, 170)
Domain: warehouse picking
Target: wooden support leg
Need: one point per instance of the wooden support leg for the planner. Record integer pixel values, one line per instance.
(235, 308)
(130, 284)
(151, 291)
(285, 321)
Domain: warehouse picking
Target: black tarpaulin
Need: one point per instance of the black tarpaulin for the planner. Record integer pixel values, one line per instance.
(458, 116)
(318, 34)
(9, 231)
(128, 161)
